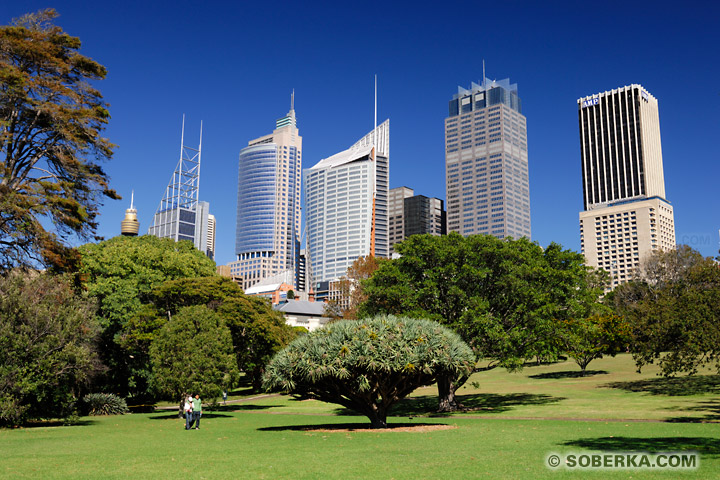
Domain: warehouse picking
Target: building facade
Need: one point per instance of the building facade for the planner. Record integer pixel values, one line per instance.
(180, 215)
(486, 162)
(424, 215)
(346, 207)
(626, 215)
(396, 219)
(267, 240)
(412, 214)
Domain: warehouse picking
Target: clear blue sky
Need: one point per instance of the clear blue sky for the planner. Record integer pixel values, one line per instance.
(234, 64)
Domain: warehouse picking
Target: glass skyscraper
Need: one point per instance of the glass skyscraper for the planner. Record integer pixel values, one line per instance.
(346, 206)
(267, 240)
(486, 162)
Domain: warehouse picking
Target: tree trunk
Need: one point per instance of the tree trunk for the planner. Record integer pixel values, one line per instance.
(378, 417)
(446, 394)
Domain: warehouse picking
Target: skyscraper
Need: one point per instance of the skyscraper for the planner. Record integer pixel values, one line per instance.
(486, 162)
(412, 214)
(267, 241)
(626, 215)
(396, 221)
(180, 215)
(346, 206)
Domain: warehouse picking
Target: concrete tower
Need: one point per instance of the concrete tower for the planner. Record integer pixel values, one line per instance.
(626, 215)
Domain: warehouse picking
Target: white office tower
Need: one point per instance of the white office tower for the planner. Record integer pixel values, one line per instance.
(346, 206)
(626, 215)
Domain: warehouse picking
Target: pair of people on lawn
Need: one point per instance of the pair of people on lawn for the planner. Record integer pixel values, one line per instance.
(193, 412)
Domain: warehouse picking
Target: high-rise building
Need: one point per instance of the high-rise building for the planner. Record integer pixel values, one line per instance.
(626, 215)
(267, 241)
(346, 206)
(180, 215)
(396, 208)
(211, 237)
(412, 214)
(424, 215)
(486, 162)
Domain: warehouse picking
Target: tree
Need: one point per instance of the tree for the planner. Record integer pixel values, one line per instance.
(120, 273)
(193, 352)
(589, 338)
(257, 331)
(673, 305)
(51, 123)
(369, 365)
(291, 295)
(47, 346)
(504, 297)
(351, 294)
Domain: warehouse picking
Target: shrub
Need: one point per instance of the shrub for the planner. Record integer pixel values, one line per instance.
(104, 404)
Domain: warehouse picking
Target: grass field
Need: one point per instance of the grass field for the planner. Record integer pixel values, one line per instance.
(513, 422)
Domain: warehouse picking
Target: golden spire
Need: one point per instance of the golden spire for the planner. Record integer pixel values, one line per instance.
(130, 225)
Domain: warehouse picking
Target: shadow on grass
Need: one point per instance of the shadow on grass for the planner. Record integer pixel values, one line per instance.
(348, 427)
(711, 410)
(674, 386)
(168, 416)
(427, 405)
(704, 445)
(58, 423)
(568, 374)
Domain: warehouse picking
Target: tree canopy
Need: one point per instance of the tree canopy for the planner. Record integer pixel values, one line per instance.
(47, 346)
(121, 273)
(673, 307)
(369, 365)
(257, 331)
(51, 123)
(192, 353)
(504, 297)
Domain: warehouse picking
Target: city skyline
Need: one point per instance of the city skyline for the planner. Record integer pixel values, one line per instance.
(228, 75)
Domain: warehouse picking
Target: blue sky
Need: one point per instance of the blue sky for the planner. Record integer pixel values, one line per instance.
(233, 66)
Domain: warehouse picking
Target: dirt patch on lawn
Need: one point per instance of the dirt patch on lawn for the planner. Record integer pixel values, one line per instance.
(396, 427)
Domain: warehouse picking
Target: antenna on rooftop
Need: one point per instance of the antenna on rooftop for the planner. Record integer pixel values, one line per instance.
(483, 82)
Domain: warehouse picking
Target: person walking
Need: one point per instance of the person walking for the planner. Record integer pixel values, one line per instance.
(188, 409)
(197, 411)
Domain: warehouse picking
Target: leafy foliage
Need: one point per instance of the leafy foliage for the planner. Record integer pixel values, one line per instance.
(258, 332)
(350, 289)
(47, 351)
(369, 365)
(193, 352)
(121, 273)
(504, 297)
(674, 307)
(590, 338)
(104, 404)
(51, 120)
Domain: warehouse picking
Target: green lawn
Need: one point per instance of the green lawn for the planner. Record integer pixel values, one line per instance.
(515, 421)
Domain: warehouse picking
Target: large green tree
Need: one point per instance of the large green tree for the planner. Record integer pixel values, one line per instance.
(51, 123)
(121, 273)
(47, 346)
(504, 297)
(673, 307)
(369, 365)
(192, 353)
(257, 331)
